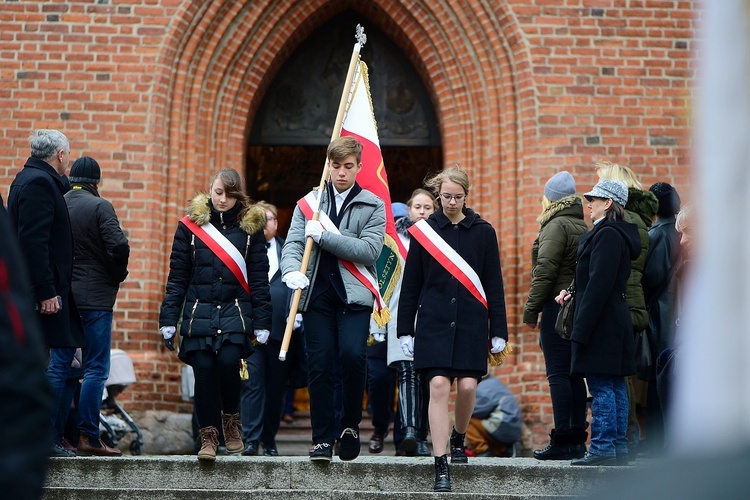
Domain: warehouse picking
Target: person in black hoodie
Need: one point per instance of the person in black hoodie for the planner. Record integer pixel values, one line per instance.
(603, 344)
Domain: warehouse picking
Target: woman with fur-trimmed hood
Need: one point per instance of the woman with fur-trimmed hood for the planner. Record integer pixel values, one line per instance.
(218, 289)
(553, 263)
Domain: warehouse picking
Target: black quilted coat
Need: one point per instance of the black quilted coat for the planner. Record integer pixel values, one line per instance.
(203, 293)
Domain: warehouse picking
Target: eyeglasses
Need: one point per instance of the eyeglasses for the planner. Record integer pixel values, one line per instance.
(448, 197)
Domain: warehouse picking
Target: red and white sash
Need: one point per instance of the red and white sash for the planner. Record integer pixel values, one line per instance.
(359, 271)
(222, 248)
(447, 257)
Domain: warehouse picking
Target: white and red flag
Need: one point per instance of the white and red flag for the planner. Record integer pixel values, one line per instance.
(360, 123)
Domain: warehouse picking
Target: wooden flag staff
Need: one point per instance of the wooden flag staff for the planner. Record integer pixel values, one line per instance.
(345, 95)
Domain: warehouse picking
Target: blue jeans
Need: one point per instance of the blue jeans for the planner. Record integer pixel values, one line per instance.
(97, 326)
(609, 427)
(60, 359)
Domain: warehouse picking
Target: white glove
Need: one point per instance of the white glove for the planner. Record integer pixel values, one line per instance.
(262, 335)
(167, 332)
(407, 345)
(315, 229)
(297, 321)
(498, 344)
(379, 337)
(295, 280)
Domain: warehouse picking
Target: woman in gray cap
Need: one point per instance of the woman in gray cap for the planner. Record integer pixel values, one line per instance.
(603, 344)
(553, 263)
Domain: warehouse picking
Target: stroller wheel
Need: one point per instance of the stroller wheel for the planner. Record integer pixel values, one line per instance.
(135, 448)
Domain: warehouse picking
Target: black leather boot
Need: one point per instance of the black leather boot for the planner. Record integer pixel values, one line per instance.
(559, 447)
(458, 448)
(442, 475)
(578, 438)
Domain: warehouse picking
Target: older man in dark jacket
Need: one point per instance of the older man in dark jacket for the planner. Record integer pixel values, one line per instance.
(38, 212)
(100, 264)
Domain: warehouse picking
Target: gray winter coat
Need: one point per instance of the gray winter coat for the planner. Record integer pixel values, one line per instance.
(361, 241)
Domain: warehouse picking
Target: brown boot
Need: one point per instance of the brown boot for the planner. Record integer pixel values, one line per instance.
(230, 424)
(97, 449)
(209, 443)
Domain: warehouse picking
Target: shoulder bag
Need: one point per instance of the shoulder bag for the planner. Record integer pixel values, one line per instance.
(564, 321)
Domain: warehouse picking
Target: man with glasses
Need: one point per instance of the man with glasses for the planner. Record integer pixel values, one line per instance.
(39, 214)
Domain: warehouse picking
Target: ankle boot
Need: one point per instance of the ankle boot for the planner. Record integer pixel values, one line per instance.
(458, 448)
(559, 447)
(578, 438)
(209, 443)
(442, 474)
(230, 425)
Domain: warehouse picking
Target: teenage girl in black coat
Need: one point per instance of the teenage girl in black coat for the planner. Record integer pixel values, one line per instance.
(219, 318)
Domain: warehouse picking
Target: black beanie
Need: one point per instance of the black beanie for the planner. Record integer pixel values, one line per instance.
(85, 170)
(669, 200)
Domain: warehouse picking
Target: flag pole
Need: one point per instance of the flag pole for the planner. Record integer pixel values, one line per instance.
(345, 95)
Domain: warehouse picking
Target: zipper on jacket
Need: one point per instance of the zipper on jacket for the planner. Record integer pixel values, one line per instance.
(242, 318)
(192, 317)
(247, 246)
(192, 246)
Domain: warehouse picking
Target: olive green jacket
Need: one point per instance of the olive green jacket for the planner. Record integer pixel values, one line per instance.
(553, 254)
(640, 210)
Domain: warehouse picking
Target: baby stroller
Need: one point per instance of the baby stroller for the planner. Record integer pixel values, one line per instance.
(114, 422)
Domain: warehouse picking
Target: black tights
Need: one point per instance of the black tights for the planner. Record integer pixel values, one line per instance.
(217, 383)
(568, 391)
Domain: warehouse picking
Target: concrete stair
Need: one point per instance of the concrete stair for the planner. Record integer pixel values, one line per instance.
(368, 477)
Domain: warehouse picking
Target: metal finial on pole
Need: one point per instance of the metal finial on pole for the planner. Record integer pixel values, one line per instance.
(360, 36)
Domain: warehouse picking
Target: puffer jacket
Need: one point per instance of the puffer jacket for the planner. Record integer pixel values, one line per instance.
(361, 241)
(201, 287)
(553, 254)
(100, 249)
(640, 210)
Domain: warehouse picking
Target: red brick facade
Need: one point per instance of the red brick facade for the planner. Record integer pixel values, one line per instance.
(162, 91)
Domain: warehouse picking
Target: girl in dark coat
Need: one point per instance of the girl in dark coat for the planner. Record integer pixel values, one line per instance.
(553, 263)
(603, 344)
(453, 328)
(220, 317)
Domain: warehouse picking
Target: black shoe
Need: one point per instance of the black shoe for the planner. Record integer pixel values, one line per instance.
(591, 459)
(563, 445)
(269, 450)
(409, 444)
(349, 444)
(251, 449)
(622, 459)
(321, 452)
(458, 448)
(376, 442)
(442, 474)
(58, 451)
(422, 449)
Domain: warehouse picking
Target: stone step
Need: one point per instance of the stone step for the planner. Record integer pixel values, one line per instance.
(230, 477)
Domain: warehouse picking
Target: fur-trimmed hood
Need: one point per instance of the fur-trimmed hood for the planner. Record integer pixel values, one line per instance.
(201, 211)
(402, 226)
(571, 204)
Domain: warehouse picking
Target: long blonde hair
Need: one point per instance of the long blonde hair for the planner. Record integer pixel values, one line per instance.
(608, 170)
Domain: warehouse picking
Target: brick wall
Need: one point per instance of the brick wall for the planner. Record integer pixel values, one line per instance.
(159, 91)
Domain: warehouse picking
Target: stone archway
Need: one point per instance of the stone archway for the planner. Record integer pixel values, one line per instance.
(472, 60)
